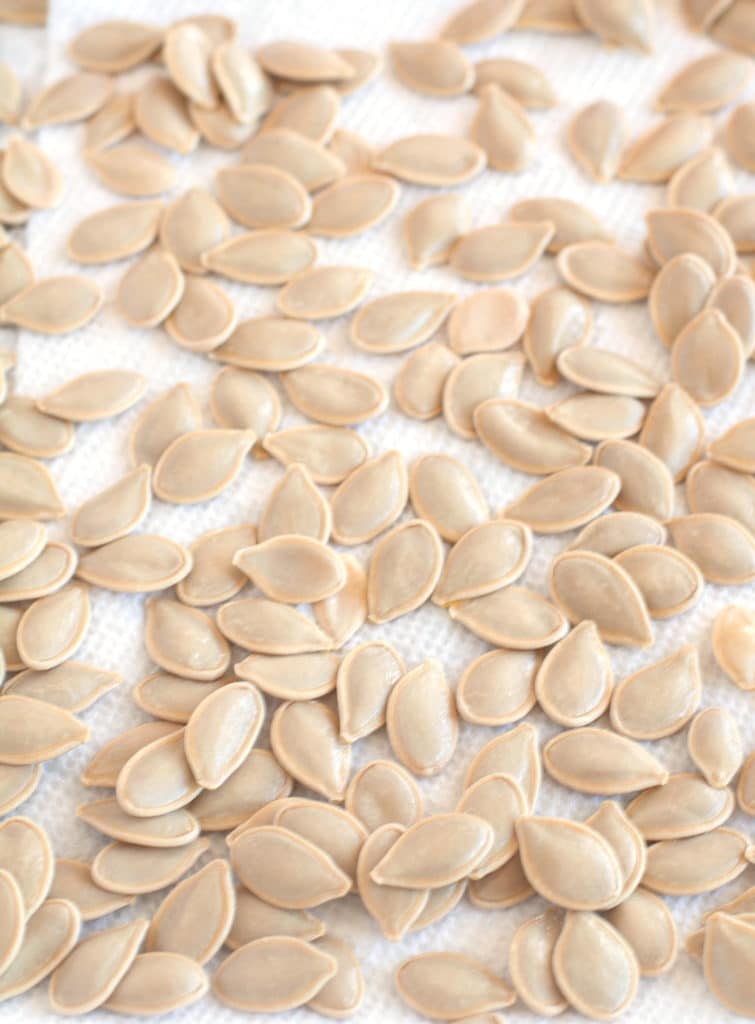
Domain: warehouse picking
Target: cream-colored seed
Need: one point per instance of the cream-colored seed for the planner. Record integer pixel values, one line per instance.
(352, 205)
(171, 698)
(504, 131)
(255, 919)
(174, 785)
(161, 112)
(302, 62)
(446, 986)
(221, 732)
(613, 533)
(671, 232)
(404, 569)
(523, 437)
(575, 681)
(685, 806)
(733, 641)
(485, 558)
(530, 957)
(365, 679)
(191, 226)
(158, 983)
(601, 270)
(715, 488)
(498, 687)
(647, 925)
(437, 67)
(343, 614)
(184, 640)
(51, 570)
(17, 784)
(115, 232)
(607, 372)
(132, 169)
(329, 453)
(596, 137)
(200, 465)
(270, 627)
(674, 430)
(514, 617)
(10, 105)
(504, 888)
(112, 123)
(295, 506)
(194, 919)
(115, 46)
(499, 800)
(738, 142)
(241, 400)
(29, 175)
(26, 430)
(50, 935)
(669, 581)
(52, 629)
(114, 512)
(354, 151)
(54, 305)
(395, 323)
(706, 84)
(659, 699)
(150, 289)
(382, 793)
(566, 499)
(475, 380)
(186, 53)
(723, 549)
(259, 781)
(310, 163)
(305, 739)
(95, 395)
(259, 196)
(437, 851)
(324, 292)
(646, 483)
(587, 940)
(435, 160)
(574, 222)
(292, 569)
(312, 111)
(26, 854)
(418, 385)
(487, 321)
(526, 82)
(16, 272)
(594, 760)
(682, 867)
(103, 768)
(174, 829)
(735, 298)
(370, 499)
(598, 417)
(267, 256)
(501, 251)
(421, 719)
(659, 152)
(715, 745)
(702, 182)
(204, 316)
(271, 343)
(679, 293)
(513, 753)
(74, 685)
(729, 943)
(707, 358)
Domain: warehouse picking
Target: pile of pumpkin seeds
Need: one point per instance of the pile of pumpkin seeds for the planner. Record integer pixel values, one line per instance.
(604, 464)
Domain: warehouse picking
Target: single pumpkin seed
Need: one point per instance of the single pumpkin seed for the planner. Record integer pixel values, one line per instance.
(121, 867)
(682, 867)
(506, 887)
(343, 994)
(383, 793)
(715, 488)
(575, 681)
(244, 401)
(525, 82)
(722, 548)
(171, 698)
(329, 453)
(115, 232)
(364, 65)
(260, 196)
(343, 614)
(734, 447)
(707, 358)
(674, 430)
(671, 232)
(486, 558)
(513, 753)
(602, 270)
(271, 343)
(200, 465)
(115, 46)
(659, 699)
(644, 920)
(353, 150)
(114, 512)
(16, 272)
(242, 83)
(714, 743)
(112, 123)
(186, 53)
(625, 840)
(685, 806)
(26, 855)
(194, 918)
(431, 228)
(435, 852)
(405, 566)
(213, 577)
(17, 783)
(51, 570)
(660, 151)
(29, 174)
(436, 67)
(12, 210)
(191, 226)
(173, 413)
(94, 396)
(50, 935)
(352, 204)
(530, 956)
(221, 732)
(335, 396)
(158, 983)
(72, 686)
(219, 128)
(132, 169)
(54, 305)
(498, 688)
(615, 532)
(259, 781)
(421, 721)
(706, 84)
(499, 800)
(309, 162)
(446, 986)
(733, 644)
(26, 430)
(150, 289)
(679, 293)
(10, 106)
(292, 569)
(269, 627)
(735, 298)
(418, 385)
(103, 768)
(13, 927)
(156, 779)
(174, 829)
(10, 617)
(514, 617)
(480, 20)
(161, 112)
(295, 506)
(668, 580)
(255, 919)
(523, 437)
(335, 831)
(738, 128)
(501, 251)
(322, 761)
(593, 760)
(746, 787)
(204, 316)
(504, 132)
(727, 956)
(324, 292)
(51, 629)
(395, 323)
(597, 137)
(262, 257)
(736, 215)
(474, 381)
(585, 941)
(369, 499)
(606, 372)
(184, 640)
(573, 222)
(303, 62)
(438, 161)
(487, 321)
(566, 499)
(702, 182)
(439, 904)
(646, 482)
(366, 677)
(312, 111)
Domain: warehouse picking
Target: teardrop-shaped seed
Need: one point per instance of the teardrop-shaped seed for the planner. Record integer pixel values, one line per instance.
(121, 867)
(335, 831)
(259, 196)
(221, 732)
(504, 888)
(174, 829)
(727, 958)
(646, 483)
(204, 316)
(598, 417)
(285, 869)
(514, 617)
(499, 800)
(597, 136)
(685, 806)
(244, 401)
(13, 919)
(746, 787)
(171, 414)
(16, 272)
(256, 784)
(26, 855)
(706, 84)
(352, 205)
(707, 358)
(271, 343)
(404, 569)
(293, 569)
(186, 53)
(150, 289)
(370, 499)
(434, 160)
(501, 251)
(647, 925)
(431, 228)
(436, 67)
(615, 532)
(273, 974)
(184, 640)
(715, 745)
(715, 488)
(733, 641)
(295, 506)
(480, 20)
(12, 210)
(418, 386)
(573, 222)
(444, 492)
(302, 62)
(735, 298)
(132, 169)
(329, 453)
(659, 699)
(365, 680)
(365, 66)
(255, 919)
(343, 994)
(161, 112)
(575, 681)
(599, 761)
(671, 232)
(566, 499)
(525, 82)
(343, 614)
(158, 983)
(440, 902)
(602, 270)
(626, 841)
(171, 698)
(194, 918)
(530, 957)
(92, 971)
(312, 111)
(702, 182)
(310, 163)
(157, 778)
(674, 430)
(191, 226)
(679, 293)
(10, 617)
(723, 549)
(115, 232)
(304, 737)
(95, 395)
(446, 986)
(324, 292)
(395, 323)
(486, 558)
(475, 380)
(269, 627)
(664, 148)
(47, 573)
(383, 792)
(504, 131)
(523, 437)
(50, 935)
(112, 123)
(437, 851)
(498, 687)
(335, 396)
(17, 783)
(103, 768)
(669, 582)
(26, 430)
(213, 577)
(115, 46)
(242, 83)
(738, 133)
(682, 867)
(585, 940)
(29, 174)
(199, 465)
(54, 305)
(114, 512)
(513, 753)
(487, 321)
(607, 372)
(421, 719)
(52, 629)
(72, 686)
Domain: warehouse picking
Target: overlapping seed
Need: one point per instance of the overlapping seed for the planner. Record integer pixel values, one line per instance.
(485, 558)
(244, 401)
(27, 430)
(404, 569)
(720, 546)
(566, 499)
(258, 781)
(194, 918)
(646, 483)
(698, 864)
(503, 130)
(501, 251)
(475, 380)
(575, 681)
(659, 699)
(513, 753)
(523, 437)
(732, 641)
(674, 430)
(421, 719)
(184, 640)
(602, 270)
(702, 182)
(685, 806)
(270, 343)
(514, 617)
(432, 227)
(444, 985)
(669, 582)
(295, 506)
(329, 453)
(600, 761)
(382, 793)
(586, 938)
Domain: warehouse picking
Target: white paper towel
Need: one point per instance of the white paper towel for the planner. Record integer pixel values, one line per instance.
(581, 71)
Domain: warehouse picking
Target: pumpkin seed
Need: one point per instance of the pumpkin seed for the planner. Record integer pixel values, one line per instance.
(260, 196)
(597, 137)
(322, 761)
(112, 123)
(681, 867)
(312, 112)
(404, 569)
(732, 641)
(29, 175)
(473, 382)
(728, 947)
(671, 232)
(175, 829)
(192, 225)
(715, 745)
(213, 577)
(269, 627)
(523, 437)
(12, 935)
(735, 298)
(16, 272)
(114, 512)
(702, 182)
(242, 83)
(722, 548)
(329, 453)
(566, 499)
(194, 918)
(244, 401)
(674, 430)
(24, 429)
(132, 169)
(421, 720)
(715, 488)
(395, 323)
(499, 800)
(599, 761)
(264, 815)
(738, 126)
(418, 386)
(255, 919)
(615, 532)
(741, 904)
(480, 20)
(487, 321)
(47, 573)
(55, 305)
(659, 699)
(335, 831)
(271, 343)
(530, 963)
(221, 732)
(601, 270)
(310, 163)
(9, 620)
(708, 380)
(94, 396)
(352, 205)
(445, 986)
(12, 210)
(668, 580)
(575, 681)
(17, 783)
(513, 753)
(52, 628)
(625, 840)
(523, 81)
(514, 617)
(199, 465)
(272, 974)
(203, 318)
(171, 698)
(292, 569)
(173, 413)
(706, 84)
(353, 150)
(431, 228)
(161, 112)
(150, 290)
(72, 686)
(262, 257)
(341, 615)
(503, 131)
(186, 53)
(104, 767)
(498, 687)
(365, 66)
(156, 779)
(746, 787)
(115, 232)
(321, 293)
(607, 372)
(184, 641)
(435, 852)
(685, 806)
(382, 793)
(91, 972)
(50, 935)
(303, 62)
(646, 483)
(439, 903)
(573, 222)
(26, 855)
(559, 320)
(369, 499)
(437, 161)
(343, 994)
(647, 925)
(258, 781)
(486, 558)
(10, 106)
(734, 446)
(365, 679)
(158, 983)
(659, 152)
(285, 869)
(115, 46)
(501, 251)
(437, 67)
(295, 506)
(585, 941)
(736, 215)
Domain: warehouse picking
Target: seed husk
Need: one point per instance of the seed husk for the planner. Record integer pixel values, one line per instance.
(312, 111)
(602, 270)
(184, 640)
(599, 761)
(242, 83)
(671, 232)
(51, 629)
(260, 196)
(255, 919)
(150, 289)
(735, 298)
(50, 935)
(271, 343)
(335, 831)
(727, 955)
(474, 381)
(435, 852)
(26, 430)
(523, 437)
(487, 557)
(501, 251)
(646, 483)
(436, 67)
(498, 688)
(16, 272)
(715, 488)
(487, 321)
(434, 479)
(221, 732)
(530, 956)
(13, 926)
(383, 793)
(431, 228)
(421, 719)
(659, 699)
(606, 372)
(715, 745)
(12, 210)
(525, 82)
(669, 581)
(674, 430)
(115, 232)
(10, 617)
(566, 499)
(54, 305)
(267, 257)
(437, 161)
(573, 222)
(259, 781)
(285, 869)
(309, 162)
(132, 169)
(94, 396)
(213, 577)
(91, 972)
(707, 358)
(171, 698)
(445, 986)
(17, 783)
(26, 855)
(47, 573)
(722, 548)
(682, 867)
(295, 506)
(269, 627)
(199, 465)
(513, 753)
(504, 888)
(597, 137)
(659, 152)
(734, 447)
(124, 868)
(706, 84)
(173, 413)
(575, 681)
(161, 113)
(303, 62)
(685, 806)
(738, 135)
(418, 385)
(504, 131)
(341, 615)
(115, 46)
(626, 841)
(615, 532)
(204, 316)
(679, 293)
(29, 175)
(186, 53)
(514, 617)
(192, 225)
(112, 123)
(241, 400)
(702, 182)
(114, 512)
(499, 800)
(194, 918)
(587, 940)
(746, 787)
(322, 761)
(321, 293)
(157, 778)
(405, 566)
(174, 829)
(732, 641)
(395, 323)
(72, 686)
(365, 679)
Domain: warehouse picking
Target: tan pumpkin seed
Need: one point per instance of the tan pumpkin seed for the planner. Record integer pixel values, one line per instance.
(599, 761)
(530, 957)
(219, 128)
(659, 699)
(192, 225)
(174, 829)
(575, 681)
(329, 453)
(438, 161)
(115, 232)
(262, 257)
(221, 732)
(321, 293)
(370, 499)
(16, 272)
(487, 321)
(114, 512)
(26, 430)
(161, 112)
(726, 958)
(103, 768)
(736, 215)
(72, 686)
(625, 840)
(706, 84)
(352, 205)
(365, 679)
(481, 19)
(295, 506)
(194, 918)
(647, 925)
(132, 169)
(9, 620)
(623, 24)
(174, 412)
(735, 298)
(292, 569)
(158, 983)
(746, 787)
(722, 548)
(242, 83)
(474, 381)
(738, 128)
(597, 137)
(303, 62)
(573, 222)
(171, 698)
(674, 430)
(446, 986)
(513, 753)
(186, 53)
(486, 558)
(94, 396)
(715, 488)
(381, 793)
(715, 745)
(671, 232)
(646, 483)
(260, 196)
(244, 401)
(121, 867)
(112, 123)
(13, 928)
(264, 815)
(421, 721)
(615, 532)
(602, 270)
(707, 358)
(200, 465)
(499, 800)
(418, 386)
(184, 641)
(566, 499)
(395, 323)
(255, 919)
(269, 627)
(26, 855)
(335, 831)
(150, 289)
(137, 564)
(685, 806)
(50, 935)
(523, 437)
(29, 175)
(498, 687)
(733, 448)
(606, 372)
(304, 737)
(12, 210)
(341, 615)
(436, 67)
(343, 994)
(587, 940)
(17, 783)
(669, 582)
(204, 316)
(353, 150)
(285, 869)
(732, 641)
(47, 573)
(501, 251)
(431, 228)
(435, 852)
(506, 887)
(678, 294)
(514, 617)
(681, 867)
(504, 132)
(271, 343)
(115, 46)
(404, 568)
(213, 577)
(10, 106)
(312, 111)
(702, 182)
(51, 629)
(659, 152)
(156, 779)
(365, 66)
(310, 163)
(55, 305)
(258, 781)
(525, 82)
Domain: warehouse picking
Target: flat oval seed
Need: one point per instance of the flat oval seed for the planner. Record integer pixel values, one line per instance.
(611, 534)
(121, 867)
(221, 732)
(335, 396)
(13, 927)
(674, 430)
(727, 958)
(587, 940)
(573, 222)
(95, 395)
(366, 677)
(682, 867)
(26, 855)
(292, 569)
(486, 558)
(404, 569)
(285, 869)
(599, 761)
(646, 483)
(242, 400)
(475, 380)
(324, 292)
(295, 506)
(506, 887)
(514, 617)
(523, 437)
(115, 232)
(501, 251)
(331, 829)
(707, 358)
(435, 160)
(660, 151)
(16, 272)
(527, 83)
(575, 681)
(530, 957)
(104, 767)
(9, 620)
(29, 175)
(150, 289)
(418, 385)
(513, 753)
(444, 492)
(343, 614)
(738, 128)
(679, 293)
(370, 499)
(91, 972)
(702, 182)
(735, 298)
(12, 210)
(395, 323)
(46, 574)
(52, 629)
(140, 563)
(115, 46)
(436, 67)
(200, 465)
(706, 84)
(50, 935)
(715, 745)
(644, 920)
(746, 787)
(312, 112)
(194, 918)
(161, 112)
(184, 640)
(273, 974)
(157, 779)
(186, 53)
(498, 687)
(329, 453)
(487, 321)
(480, 20)
(132, 169)
(304, 737)
(499, 800)
(733, 641)
(55, 305)
(21, 542)
(659, 699)
(113, 122)
(685, 806)
(352, 205)
(259, 196)
(596, 417)
(723, 549)
(302, 62)
(671, 232)
(171, 698)
(17, 783)
(602, 270)
(114, 512)
(566, 499)
(714, 488)
(24, 429)
(269, 627)
(596, 138)
(158, 983)
(174, 829)
(213, 577)
(191, 226)
(203, 318)
(669, 582)
(258, 781)
(310, 163)
(72, 686)
(175, 412)
(382, 793)
(271, 343)
(446, 986)
(421, 720)
(503, 130)
(607, 372)
(343, 994)
(432, 227)
(255, 919)
(435, 852)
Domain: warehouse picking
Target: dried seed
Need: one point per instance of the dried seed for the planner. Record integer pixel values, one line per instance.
(625, 840)
(292, 569)
(513, 753)
(161, 112)
(213, 577)
(566, 499)
(26, 430)
(735, 298)
(194, 918)
(219, 128)
(26, 855)
(498, 688)
(736, 215)
(501, 251)
(671, 232)
(13, 929)
(262, 257)
(123, 868)
(352, 205)
(404, 569)
(285, 869)
(329, 453)
(255, 919)
(114, 512)
(437, 67)
(341, 615)
(573, 222)
(702, 182)
(365, 66)
(646, 483)
(421, 721)
(312, 112)
(259, 196)
(601, 270)
(733, 448)
(10, 105)
(171, 698)
(722, 548)
(395, 323)
(271, 343)
(353, 150)
(132, 169)
(243, 85)
(50, 935)
(715, 488)
(746, 787)
(525, 82)
(333, 395)
(499, 800)
(707, 358)
(115, 232)
(597, 137)
(272, 974)
(94, 396)
(738, 129)
(335, 831)
(726, 961)
(115, 46)
(506, 887)
(310, 163)
(259, 781)
(150, 289)
(715, 745)
(617, 531)
(303, 62)
(647, 925)
(113, 122)
(668, 580)
(523, 437)
(104, 767)
(418, 385)
(674, 430)
(321, 293)
(156, 779)
(51, 630)
(439, 903)
(54, 305)
(480, 20)
(504, 132)
(192, 225)
(606, 372)
(487, 321)
(383, 792)
(186, 52)
(158, 983)
(435, 852)
(90, 973)
(16, 272)
(659, 699)
(594, 760)
(221, 732)
(171, 414)
(732, 640)
(184, 640)
(73, 685)
(9, 620)
(12, 210)
(585, 941)
(29, 175)
(17, 784)
(474, 381)
(685, 806)
(575, 681)
(304, 737)
(706, 84)
(486, 558)
(370, 499)
(200, 465)
(530, 957)
(47, 573)
(431, 228)
(681, 867)
(446, 986)
(365, 680)
(435, 479)
(295, 506)
(269, 627)
(244, 401)
(343, 994)
(204, 316)
(174, 829)
(514, 617)
(435, 160)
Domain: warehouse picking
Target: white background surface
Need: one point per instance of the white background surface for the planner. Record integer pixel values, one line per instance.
(581, 71)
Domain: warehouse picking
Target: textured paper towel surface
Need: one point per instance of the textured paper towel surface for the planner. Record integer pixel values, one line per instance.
(581, 71)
